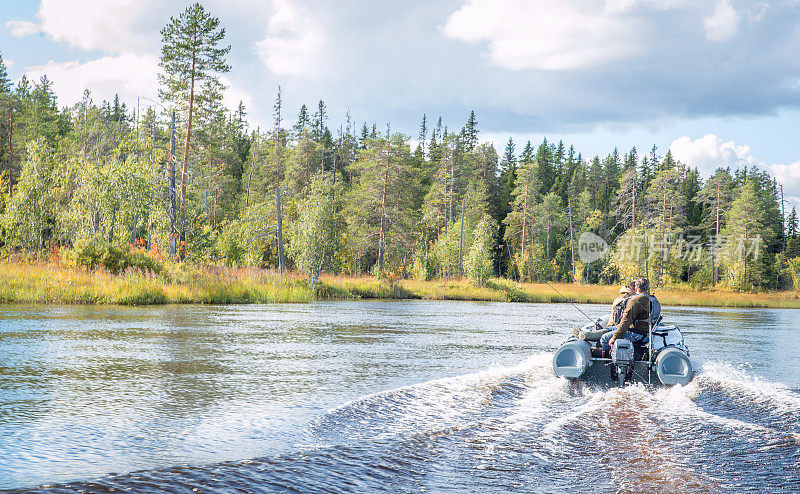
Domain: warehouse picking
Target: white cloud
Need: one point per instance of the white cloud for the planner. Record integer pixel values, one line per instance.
(292, 43)
(789, 176)
(8, 63)
(723, 23)
(127, 74)
(20, 29)
(234, 94)
(711, 152)
(547, 35)
(92, 25)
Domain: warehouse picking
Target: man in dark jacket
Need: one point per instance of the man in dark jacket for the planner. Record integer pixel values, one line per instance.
(634, 323)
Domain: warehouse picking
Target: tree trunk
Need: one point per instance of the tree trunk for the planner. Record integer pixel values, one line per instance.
(249, 180)
(548, 239)
(111, 228)
(571, 239)
(10, 150)
(184, 172)
(713, 244)
(452, 184)
(173, 232)
(133, 228)
(461, 242)
(633, 206)
(281, 262)
(382, 238)
(524, 232)
(745, 257)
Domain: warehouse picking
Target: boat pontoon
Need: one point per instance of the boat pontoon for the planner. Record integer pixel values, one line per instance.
(662, 360)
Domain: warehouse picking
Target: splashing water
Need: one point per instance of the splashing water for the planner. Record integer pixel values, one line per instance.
(517, 427)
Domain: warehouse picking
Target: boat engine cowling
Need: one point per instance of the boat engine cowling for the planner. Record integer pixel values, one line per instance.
(622, 358)
(674, 367)
(622, 352)
(572, 358)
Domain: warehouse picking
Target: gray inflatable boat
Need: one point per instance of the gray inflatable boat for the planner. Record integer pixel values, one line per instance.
(663, 360)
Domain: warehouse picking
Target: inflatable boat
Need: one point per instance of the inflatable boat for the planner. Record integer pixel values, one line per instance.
(663, 360)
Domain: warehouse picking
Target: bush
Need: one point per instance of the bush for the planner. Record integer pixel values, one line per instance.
(794, 270)
(93, 254)
(230, 244)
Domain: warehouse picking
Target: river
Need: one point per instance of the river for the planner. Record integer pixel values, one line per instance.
(403, 396)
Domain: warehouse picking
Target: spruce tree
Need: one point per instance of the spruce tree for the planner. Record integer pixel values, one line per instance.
(471, 132)
(791, 223)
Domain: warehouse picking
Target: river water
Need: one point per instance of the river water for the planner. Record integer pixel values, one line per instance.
(400, 396)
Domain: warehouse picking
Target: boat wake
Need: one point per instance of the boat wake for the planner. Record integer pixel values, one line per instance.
(522, 428)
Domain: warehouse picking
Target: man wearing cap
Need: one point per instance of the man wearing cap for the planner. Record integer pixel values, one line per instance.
(635, 320)
(617, 307)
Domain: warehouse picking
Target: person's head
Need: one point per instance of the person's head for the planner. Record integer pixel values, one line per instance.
(642, 285)
(626, 291)
(632, 285)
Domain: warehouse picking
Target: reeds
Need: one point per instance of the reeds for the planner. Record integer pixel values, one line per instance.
(184, 283)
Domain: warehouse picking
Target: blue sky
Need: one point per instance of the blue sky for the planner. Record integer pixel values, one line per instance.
(718, 82)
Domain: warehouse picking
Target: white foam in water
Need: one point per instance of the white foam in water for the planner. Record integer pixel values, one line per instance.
(428, 407)
(744, 386)
(660, 429)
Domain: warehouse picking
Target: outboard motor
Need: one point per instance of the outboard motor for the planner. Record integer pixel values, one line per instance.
(674, 367)
(572, 358)
(622, 358)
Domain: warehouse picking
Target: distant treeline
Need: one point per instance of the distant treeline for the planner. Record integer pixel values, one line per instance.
(189, 179)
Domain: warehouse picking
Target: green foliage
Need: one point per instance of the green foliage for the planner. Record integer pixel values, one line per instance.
(315, 235)
(794, 270)
(30, 216)
(93, 254)
(342, 203)
(190, 51)
(479, 263)
(230, 244)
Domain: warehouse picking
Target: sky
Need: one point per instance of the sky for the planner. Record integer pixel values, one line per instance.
(717, 82)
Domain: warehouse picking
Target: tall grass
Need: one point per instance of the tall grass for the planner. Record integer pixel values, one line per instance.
(40, 282)
(23, 282)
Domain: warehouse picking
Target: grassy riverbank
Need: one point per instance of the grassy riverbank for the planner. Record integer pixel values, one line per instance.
(24, 282)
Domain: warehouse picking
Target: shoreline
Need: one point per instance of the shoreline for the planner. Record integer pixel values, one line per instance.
(44, 283)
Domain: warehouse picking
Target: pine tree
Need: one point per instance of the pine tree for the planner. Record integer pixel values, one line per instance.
(524, 213)
(629, 197)
(715, 197)
(6, 127)
(746, 236)
(550, 215)
(190, 55)
(379, 216)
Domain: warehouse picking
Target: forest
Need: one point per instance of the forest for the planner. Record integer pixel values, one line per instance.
(187, 180)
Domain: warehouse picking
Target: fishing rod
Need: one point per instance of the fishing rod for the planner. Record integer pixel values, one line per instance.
(568, 300)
